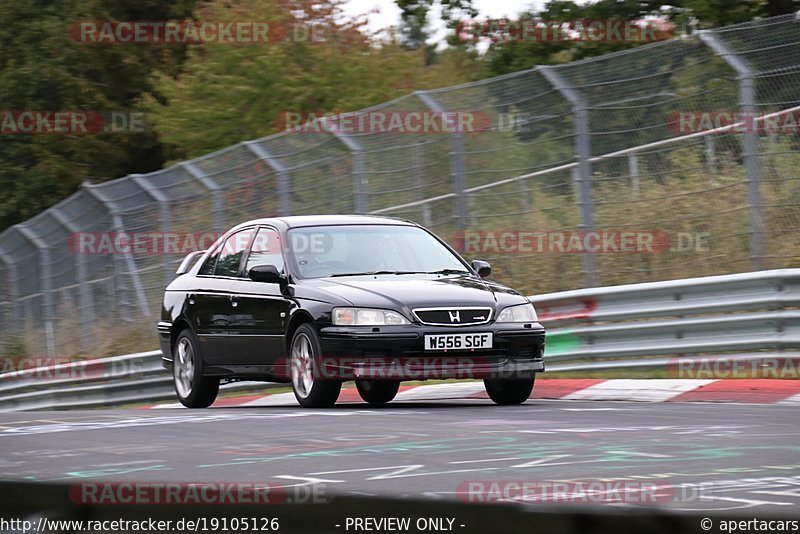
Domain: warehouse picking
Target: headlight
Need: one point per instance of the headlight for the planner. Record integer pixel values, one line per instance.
(366, 317)
(523, 313)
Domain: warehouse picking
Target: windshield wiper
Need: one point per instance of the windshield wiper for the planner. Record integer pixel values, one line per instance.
(370, 273)
(448, 271)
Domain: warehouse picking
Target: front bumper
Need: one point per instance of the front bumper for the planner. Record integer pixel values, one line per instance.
(398, 353)
(165, 341)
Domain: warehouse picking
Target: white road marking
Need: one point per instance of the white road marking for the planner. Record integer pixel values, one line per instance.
(631, 390)
(647, 390)
(545, 460)
(309, 480)
(794, 400)
(485, 460)
(596, 409)
(278, 399)
(642, 454)
(456, 390)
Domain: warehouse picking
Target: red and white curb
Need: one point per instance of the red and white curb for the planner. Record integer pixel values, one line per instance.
(761, 391)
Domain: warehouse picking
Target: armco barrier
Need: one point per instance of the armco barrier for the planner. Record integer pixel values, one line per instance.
(741, 316)
(732, 318)
(120, 380)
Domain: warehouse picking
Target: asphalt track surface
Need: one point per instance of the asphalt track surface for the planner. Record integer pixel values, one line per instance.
(706, 456)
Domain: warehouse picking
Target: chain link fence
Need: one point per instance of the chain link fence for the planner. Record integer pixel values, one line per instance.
(572, 162)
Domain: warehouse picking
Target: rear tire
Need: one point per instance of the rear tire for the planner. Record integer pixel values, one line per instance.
(509, 391)
(192, 388)
(309, 390)
(377, 391)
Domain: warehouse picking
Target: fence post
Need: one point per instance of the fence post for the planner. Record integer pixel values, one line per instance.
(360, 202)
(13, 289)
(116, 222)
(582, 173)
(633, 170)
(417, 165)
(217, 200)
(143, 182)
(82, 277)
(281, 172)
(47, 288)
(747, 106)
(711, 157)
(457, 160)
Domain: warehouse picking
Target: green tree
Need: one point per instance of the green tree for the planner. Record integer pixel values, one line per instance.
(43, 69)
(503, 57)
(230, 93)
(414, 15)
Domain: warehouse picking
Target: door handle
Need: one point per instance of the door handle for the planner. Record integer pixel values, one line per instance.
(234, 300)
(191, 299)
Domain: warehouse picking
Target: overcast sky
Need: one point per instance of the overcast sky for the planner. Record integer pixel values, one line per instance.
(390, 14)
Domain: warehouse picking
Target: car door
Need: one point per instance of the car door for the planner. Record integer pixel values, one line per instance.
(258, 326)
(209, 306)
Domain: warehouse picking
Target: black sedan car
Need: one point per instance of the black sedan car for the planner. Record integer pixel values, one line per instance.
(318, 300)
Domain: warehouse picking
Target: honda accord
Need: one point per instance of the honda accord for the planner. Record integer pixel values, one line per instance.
(318, 300)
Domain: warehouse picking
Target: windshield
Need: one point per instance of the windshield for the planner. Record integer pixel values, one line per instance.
(322, 251)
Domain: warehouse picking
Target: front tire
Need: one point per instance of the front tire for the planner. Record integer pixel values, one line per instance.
(509, 391)
(192, 388)
(377, 391)
(309, 390)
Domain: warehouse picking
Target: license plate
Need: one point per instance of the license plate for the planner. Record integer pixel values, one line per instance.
(458, 341)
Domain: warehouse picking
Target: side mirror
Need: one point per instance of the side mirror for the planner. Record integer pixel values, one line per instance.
(266, 273)
(482, 268)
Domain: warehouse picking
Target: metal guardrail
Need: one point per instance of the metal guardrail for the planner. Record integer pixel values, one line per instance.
(117, 381)
(732, 318)
(736, 317)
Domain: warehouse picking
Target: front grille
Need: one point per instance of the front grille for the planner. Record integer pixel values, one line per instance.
(453, 316)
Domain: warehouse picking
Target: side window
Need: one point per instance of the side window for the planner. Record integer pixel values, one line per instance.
(231, 253)
(266, 250)
(207, 268)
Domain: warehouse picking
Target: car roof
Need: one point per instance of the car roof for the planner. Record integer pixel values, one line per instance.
(299, 221)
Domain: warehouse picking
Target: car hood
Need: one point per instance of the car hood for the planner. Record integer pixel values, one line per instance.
(406, 292)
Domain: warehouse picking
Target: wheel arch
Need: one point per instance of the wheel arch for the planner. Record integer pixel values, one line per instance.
(178, 326)
(300, 317)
